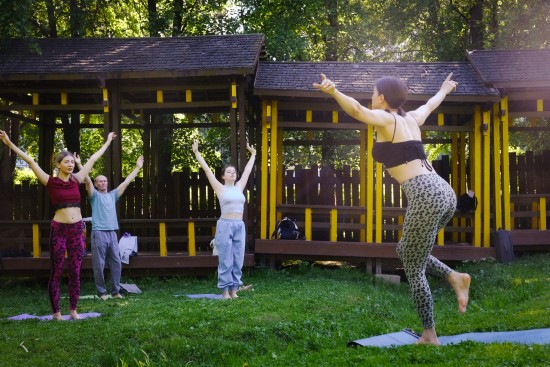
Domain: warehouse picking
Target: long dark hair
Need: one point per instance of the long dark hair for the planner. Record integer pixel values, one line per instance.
(394, 91)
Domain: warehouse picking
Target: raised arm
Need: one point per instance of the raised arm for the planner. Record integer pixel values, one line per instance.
(422, 112)
(216, 185)
(81, 175)
(87, 180)
(351, 106)
(248, 168)
(40, 174)
(124, 184)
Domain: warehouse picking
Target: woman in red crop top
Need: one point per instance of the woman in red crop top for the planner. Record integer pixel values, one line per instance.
(431, 200)
(66, 233)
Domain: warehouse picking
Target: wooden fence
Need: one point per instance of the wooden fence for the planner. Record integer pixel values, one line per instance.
(188, 195)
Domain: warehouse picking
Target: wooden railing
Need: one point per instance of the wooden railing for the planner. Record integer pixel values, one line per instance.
(351, 218)
(24, 232)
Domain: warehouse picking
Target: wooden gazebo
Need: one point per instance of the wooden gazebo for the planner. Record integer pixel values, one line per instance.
(345, 214)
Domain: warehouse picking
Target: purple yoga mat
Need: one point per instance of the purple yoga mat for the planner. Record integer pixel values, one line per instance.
(26, 316)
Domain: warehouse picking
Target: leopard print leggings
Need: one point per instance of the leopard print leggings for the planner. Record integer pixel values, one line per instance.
(431, 204)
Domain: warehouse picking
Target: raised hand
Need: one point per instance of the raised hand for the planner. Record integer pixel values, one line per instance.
(326, 85)
(449, 85)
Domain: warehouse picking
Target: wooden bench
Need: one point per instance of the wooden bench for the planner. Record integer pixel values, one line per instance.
(525, 240)
(144, 264)
(369, 253)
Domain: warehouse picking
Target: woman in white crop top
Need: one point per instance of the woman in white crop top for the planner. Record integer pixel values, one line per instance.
(230, 235)
(428, 195)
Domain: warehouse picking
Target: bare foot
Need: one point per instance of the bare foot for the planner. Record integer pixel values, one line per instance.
(57, 316)
(422, 340)
(234, 294)
(461, 284)
(429, 337)
(226, 295)
(74, 315)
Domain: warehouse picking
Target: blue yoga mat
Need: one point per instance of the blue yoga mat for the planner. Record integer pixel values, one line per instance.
(26, 316)
(534, 336)
(210, 296)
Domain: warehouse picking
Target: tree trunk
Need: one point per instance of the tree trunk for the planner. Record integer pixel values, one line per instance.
(476, 25)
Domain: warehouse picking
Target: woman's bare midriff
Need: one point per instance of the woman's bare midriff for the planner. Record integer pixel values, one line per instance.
(68, 215)
(406, 171)
(238, 216)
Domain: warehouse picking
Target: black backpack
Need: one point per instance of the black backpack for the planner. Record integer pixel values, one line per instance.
(287, 230)
(466, 203)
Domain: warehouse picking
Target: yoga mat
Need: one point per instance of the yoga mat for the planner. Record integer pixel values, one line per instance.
(130, 288)
(387, 340)
(211, 296)
(26, 316)
(534, 336)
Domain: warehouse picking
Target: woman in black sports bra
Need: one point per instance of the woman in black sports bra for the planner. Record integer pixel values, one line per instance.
(431, 200)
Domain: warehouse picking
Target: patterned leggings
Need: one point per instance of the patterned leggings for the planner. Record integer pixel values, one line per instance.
(69, 238)
(431, 204)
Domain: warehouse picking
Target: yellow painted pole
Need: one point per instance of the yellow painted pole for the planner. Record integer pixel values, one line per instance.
(160, 96)
(307, 224)
(334, 117)
(540, 105)
(105, 100)
(542, 209)
(264, 174)
(505, 165)
(370, 184)
(497, 192)
(188, 95)
(234, 95)
(477, 177)
(191, 241)
(309, 116)
(162, 238)
(36, 250)
(441, 237)
(378, 203)
(486, 169)
(273, 167)
(333, 225)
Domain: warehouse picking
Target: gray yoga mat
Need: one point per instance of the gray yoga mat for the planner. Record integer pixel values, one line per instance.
(404, 337)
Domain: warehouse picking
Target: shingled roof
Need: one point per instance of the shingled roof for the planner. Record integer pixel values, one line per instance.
(358, 79)
(130, 57)
(512, 68)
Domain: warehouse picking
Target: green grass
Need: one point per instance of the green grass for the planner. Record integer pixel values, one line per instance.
(299, 316)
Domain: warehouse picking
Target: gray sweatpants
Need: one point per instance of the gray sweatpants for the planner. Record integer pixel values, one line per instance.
(105, 251)
(230, 240)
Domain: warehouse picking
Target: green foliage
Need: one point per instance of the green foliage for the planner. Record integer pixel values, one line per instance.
(523, 141)
(301, 315)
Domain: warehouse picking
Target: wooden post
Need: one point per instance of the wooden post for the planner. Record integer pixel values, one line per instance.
(162, 239)
(191, 245)
(307, 224)
(36, 250)
(333, 225)
(264, 174)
